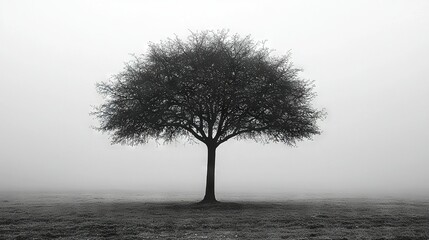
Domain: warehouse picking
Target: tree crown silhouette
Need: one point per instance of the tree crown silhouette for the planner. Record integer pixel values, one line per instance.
(213, 86)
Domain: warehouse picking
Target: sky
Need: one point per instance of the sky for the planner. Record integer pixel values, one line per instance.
(368, 59)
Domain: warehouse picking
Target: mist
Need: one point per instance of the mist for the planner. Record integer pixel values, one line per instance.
(368, 60)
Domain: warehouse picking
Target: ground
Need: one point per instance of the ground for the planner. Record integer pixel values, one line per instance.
(289, 219)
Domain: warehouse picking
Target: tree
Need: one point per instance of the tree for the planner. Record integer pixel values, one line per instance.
(212, 87)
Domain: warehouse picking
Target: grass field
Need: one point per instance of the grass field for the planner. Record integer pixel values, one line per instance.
(291, 219)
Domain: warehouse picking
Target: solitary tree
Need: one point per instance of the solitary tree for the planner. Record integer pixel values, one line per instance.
(212, 86)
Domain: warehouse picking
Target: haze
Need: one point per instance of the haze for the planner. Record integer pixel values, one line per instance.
(369, 60)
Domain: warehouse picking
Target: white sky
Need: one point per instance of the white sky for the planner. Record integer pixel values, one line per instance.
(369, 60)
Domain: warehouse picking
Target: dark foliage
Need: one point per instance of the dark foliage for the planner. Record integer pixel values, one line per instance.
(213, 86)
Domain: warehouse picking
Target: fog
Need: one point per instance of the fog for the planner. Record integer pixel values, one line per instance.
(368, 60)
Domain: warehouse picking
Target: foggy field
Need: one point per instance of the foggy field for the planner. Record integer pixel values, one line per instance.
(101, 218)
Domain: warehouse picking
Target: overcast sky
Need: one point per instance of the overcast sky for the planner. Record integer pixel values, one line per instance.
(369, 60)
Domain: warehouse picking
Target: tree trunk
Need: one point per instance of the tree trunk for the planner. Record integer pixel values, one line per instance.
(210, 182)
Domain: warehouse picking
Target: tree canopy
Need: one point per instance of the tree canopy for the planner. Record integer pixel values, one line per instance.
(212, 86)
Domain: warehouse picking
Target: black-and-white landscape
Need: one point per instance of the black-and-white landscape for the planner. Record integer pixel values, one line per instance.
(214, 120)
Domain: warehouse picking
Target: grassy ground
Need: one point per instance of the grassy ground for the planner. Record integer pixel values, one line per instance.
(293, 219)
